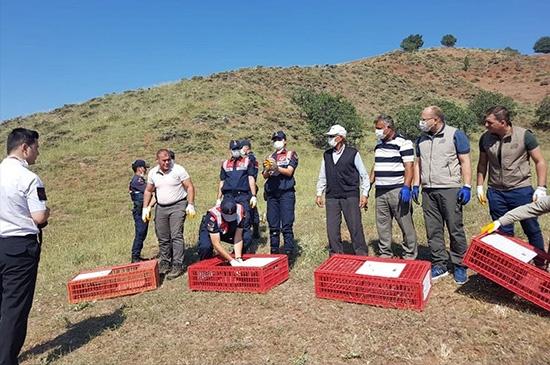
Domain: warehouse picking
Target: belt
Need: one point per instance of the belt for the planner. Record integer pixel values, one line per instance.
(170, 204)
(32, 236)
(237, 192)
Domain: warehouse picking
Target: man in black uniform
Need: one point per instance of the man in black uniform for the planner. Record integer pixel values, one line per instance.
(136, 188)
(223, 222)
(23, 213)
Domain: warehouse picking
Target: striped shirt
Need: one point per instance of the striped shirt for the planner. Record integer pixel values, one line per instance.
(389, 159)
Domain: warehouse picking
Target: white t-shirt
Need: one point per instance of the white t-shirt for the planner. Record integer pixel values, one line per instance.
(21, 193)
(169, 188)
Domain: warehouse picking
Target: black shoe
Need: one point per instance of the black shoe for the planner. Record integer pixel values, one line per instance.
(256, 231)
(176, 272)
(164, 269)
(138, 259)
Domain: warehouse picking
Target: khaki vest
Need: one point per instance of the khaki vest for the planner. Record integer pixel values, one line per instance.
(512, 170)
(439, 163)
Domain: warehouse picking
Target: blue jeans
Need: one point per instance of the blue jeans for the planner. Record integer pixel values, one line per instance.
(280, 217)
(501, 202)
(140, 230)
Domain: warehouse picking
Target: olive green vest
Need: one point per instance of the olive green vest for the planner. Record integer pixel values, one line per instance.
(511, 169)
(440, 167)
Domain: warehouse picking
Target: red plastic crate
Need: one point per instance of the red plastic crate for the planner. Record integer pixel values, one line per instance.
(522, 278)
(336, 278)
(122, 280)
(216, 275)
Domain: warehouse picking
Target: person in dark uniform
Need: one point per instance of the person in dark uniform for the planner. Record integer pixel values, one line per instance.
(280, 194)
(222, 223)
(136, 188)
(237, 181)
(246, 150)
(23, 214)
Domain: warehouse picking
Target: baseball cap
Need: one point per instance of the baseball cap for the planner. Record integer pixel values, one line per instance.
(278, 135)
(229, 209)
(139, 163)
(337, 130)
(234, 145)
(245, 142)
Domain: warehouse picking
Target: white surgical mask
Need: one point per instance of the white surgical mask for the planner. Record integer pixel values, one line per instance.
(424, 127)
(332, 141)
(235, 153)
(279, 145)
(379, 133)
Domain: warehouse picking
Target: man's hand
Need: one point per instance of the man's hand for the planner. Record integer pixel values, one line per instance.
(481, 195)
(319, 201)
(539, 193)
(146, 214)
(415, 194)
(236, 262)
(190, 211)
(464, 194)
(253, 202)
(491, 227)
(405, 194)
(363, 201)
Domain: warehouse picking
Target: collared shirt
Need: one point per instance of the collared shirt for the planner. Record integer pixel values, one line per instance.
(234, 173)
(168, 185)
(137, 187)
(21, 193)
(358, 162)
(389, 162)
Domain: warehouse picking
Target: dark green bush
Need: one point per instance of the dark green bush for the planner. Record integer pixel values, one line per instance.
(448, 40)
(412, 43)
(542, 45)
(487, 99)
(408, 116)
(543, 114)
(322, 110)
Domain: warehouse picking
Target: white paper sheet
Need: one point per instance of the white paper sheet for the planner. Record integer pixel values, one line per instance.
(509, 247)
(384, 269)
(258, 261)
(91, 275)
(426, 285)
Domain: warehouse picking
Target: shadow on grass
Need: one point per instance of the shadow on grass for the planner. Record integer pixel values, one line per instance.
(76, 336)
(397, 249)
(482, 289)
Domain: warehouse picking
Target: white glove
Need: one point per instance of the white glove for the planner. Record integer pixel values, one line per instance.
(190, 211)
(539, 193)
(481, 195)
(218, 202)
(146, 214)
(236, 262)
(253, 202)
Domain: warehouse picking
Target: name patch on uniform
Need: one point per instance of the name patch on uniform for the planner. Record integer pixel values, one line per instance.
(41, 192)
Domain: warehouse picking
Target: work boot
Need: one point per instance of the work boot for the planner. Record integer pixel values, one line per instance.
(176, 272)
(137, 259)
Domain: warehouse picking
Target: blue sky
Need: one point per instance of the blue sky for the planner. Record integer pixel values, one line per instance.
(60, 52)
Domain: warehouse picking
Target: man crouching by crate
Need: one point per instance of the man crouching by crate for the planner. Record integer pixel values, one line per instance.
(225, 223)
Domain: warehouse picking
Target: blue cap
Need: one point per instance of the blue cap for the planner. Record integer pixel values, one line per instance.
(139, 163)
(234, 145)
(245, 142)
(278, 136)
(229, 209)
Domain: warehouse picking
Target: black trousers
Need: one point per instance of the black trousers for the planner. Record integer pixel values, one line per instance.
(349, 207)
(19, 257)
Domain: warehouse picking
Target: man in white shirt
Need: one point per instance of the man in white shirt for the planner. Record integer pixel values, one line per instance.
(175, 195)
(23, 213)
(345, 182)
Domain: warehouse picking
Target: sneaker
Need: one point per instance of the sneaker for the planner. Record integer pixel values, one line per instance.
(164, 268)
(460, 275)
(439, 272)
(176, 272)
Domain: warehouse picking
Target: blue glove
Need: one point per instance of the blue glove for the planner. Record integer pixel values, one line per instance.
(415, 194)
(464, 195)
(405, 194)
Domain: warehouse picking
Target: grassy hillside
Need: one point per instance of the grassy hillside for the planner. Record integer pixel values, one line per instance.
(85, 162)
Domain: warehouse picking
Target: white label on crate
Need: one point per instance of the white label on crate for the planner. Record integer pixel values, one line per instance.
(92, 275)
(509, 247)
(384, 269)
(258, 261)
(426, 285)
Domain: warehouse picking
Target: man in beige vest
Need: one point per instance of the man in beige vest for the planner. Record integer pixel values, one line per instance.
(443, 169)
(504, 154)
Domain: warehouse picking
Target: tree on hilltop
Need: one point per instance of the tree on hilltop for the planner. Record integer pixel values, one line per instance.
(542, 45)
(448, 40)
(412, 43)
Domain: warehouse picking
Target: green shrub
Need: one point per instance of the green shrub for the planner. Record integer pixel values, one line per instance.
(412, 43)
(488, 99)
(322, 110)
(511, 51)
(408, 116)
(543, 114)
(542, 45)
(448, 40)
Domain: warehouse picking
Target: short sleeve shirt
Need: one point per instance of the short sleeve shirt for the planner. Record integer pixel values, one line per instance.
(21, 193)
(530, 141)
(168, 186)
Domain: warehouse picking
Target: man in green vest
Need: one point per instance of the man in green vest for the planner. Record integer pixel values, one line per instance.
(504, 154)
(443, 170)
